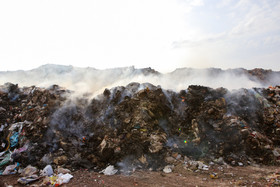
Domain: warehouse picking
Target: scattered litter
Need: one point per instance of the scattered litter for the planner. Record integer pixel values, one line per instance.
(63, 178)
(214, 175)
(202, 166)
(29, 171)
(240, 164)
(273, 179)
(110, 170)
(63, 170)
(168, 168)
(6, 159)
(2, 128)
(14, 139)
(47, 171)
(26, 180)
(11, 169)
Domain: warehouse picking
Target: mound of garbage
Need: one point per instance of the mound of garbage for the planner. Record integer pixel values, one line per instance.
(138, 126)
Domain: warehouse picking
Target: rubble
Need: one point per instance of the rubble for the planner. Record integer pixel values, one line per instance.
(273, 179)
(140, 126)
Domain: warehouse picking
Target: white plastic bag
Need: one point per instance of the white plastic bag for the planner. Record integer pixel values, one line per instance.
(168, 168)
(64, 178)
(11, 169)
(47, 171)
(110, 170)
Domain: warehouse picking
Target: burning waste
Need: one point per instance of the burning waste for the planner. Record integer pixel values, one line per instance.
(139, 126)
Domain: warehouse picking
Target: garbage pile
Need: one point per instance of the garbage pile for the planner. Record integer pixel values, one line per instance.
(261, 74)
(140, 126)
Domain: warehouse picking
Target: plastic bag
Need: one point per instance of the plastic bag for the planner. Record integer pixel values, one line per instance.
(11, 169)
(28, 171)
(47, 171)
(64, 178)
(110, 170)
(6, 159)
(14, 139)
(168, 168)
(26, 180)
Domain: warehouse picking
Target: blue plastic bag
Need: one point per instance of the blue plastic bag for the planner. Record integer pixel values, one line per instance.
(14, 139)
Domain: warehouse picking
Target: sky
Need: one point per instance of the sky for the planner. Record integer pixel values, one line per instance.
(161, 34)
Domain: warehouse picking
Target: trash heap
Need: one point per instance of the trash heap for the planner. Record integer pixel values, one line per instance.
(139, 126)
(24, 116)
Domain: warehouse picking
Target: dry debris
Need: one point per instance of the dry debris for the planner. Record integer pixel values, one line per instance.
(139, 126)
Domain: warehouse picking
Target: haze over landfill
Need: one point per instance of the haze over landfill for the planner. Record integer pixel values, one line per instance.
(140, 93)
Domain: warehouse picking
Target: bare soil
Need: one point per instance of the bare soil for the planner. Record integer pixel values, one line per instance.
(227, 176)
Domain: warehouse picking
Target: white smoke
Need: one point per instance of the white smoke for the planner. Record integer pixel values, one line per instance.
(94, 81)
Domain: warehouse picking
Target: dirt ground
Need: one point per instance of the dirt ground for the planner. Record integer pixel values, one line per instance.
(227, 176)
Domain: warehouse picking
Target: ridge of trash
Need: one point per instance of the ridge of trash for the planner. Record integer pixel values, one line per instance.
(139, 126)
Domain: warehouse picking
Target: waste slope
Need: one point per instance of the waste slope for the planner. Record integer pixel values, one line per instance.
(138, 126)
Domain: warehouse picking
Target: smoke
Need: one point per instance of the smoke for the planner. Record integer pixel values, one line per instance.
(68, 122)
(93, 81)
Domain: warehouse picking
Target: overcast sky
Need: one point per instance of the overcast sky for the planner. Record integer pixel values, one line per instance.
(162, 34)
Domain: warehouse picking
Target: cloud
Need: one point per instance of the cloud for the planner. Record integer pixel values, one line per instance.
(224, 3)
(257, 18)
(253, 19)
(252, 29)
(162, 34)
(200, 42)
(101, 34)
